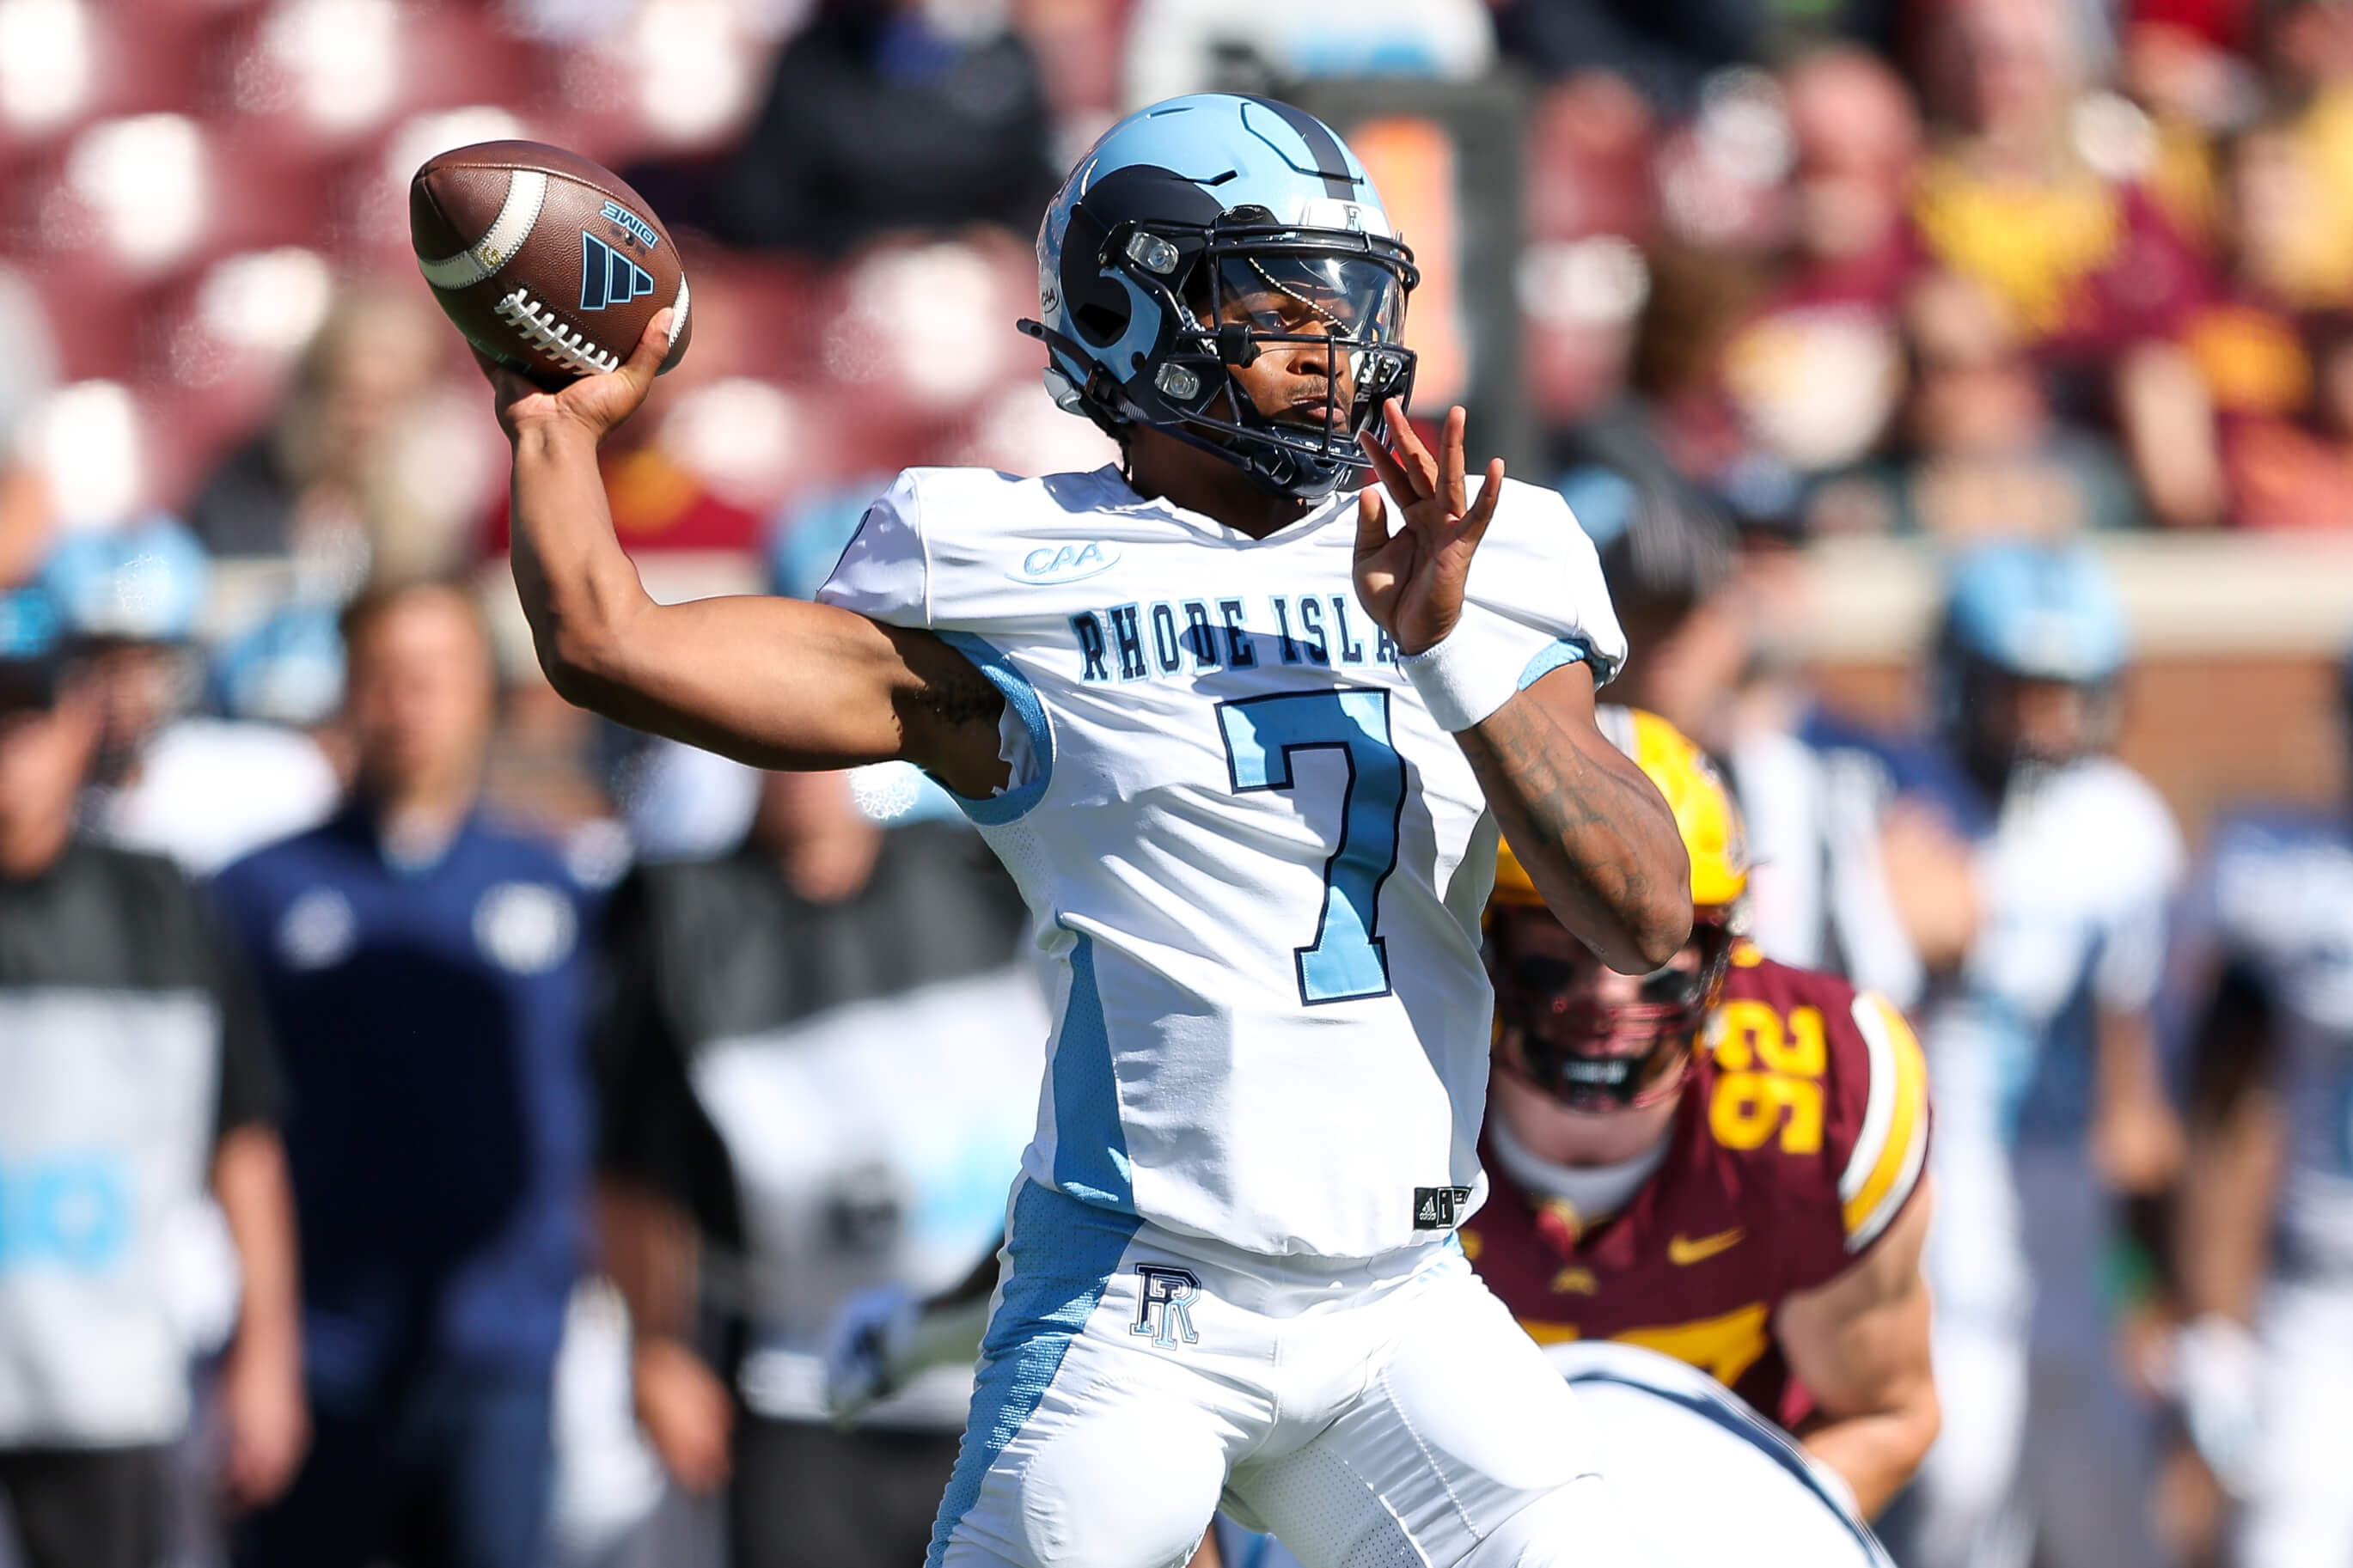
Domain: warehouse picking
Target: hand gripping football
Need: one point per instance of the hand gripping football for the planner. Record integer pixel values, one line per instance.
(544, 260)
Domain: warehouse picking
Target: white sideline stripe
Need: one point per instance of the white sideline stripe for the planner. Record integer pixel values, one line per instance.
(1879, 1110)
(527, 193)
(678, 312)
(1893, 1203)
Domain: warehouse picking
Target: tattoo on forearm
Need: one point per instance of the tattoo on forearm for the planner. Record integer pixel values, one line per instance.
(1518, 760)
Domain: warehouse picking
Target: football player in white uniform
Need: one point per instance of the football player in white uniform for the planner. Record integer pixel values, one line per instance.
(2262, 976)
(2050, 1110)
(1246, 752)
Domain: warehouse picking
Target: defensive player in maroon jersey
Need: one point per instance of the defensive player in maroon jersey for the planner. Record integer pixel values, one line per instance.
(1723, 1160)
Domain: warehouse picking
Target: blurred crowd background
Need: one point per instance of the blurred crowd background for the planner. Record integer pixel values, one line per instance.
(1796, 300)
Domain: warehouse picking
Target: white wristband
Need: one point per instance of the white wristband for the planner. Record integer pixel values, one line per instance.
(1463, 677)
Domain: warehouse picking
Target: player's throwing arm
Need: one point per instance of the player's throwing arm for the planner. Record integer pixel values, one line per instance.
(774, 682)
(572, 294)
(1596, 837)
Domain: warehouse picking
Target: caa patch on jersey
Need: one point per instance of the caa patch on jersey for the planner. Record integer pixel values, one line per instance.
(547, 262)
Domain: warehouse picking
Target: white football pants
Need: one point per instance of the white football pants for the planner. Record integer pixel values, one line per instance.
(1388, 1414)
(2300, 1512)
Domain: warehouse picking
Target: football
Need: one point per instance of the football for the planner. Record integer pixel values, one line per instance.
(547, 262)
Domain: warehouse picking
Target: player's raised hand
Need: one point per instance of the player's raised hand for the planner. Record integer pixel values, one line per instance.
(596, 404)
(1411, 581)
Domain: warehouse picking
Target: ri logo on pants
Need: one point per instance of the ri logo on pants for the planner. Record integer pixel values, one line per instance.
(1164, 1307)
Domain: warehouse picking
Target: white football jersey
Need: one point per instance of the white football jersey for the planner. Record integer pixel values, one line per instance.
(2073, 881)
(2270, 896)
(1257, 863)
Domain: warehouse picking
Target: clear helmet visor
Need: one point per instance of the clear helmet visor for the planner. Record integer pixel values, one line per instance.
(1351, 298)
(1332, 326)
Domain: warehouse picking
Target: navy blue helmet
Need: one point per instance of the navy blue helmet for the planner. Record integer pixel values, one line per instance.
(1193, 237)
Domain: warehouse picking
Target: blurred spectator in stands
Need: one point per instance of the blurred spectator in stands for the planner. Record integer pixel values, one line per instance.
(2295, 469)
(881, 116)
(171, 779)
(1984, 454)
(2038, 190)
(2239, 420)
(2269, 418)
(1670, 558)
(338, 484)
(820, 1057)
(28, 369)
(1764, 359)
(2050, 1105)
(2307, 48)
(423, 969)
(1177, 47)
(661, 499)
(1670, 429)
(1850, 876)
(2261, 977)
(2035, 189)
(1815, 374)
(135, 1063)
(1666, 50)
(2185, 63)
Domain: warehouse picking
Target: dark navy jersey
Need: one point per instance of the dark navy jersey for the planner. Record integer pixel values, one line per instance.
(430, 1019)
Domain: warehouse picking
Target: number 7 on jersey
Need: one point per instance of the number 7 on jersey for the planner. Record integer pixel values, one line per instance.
(1347, 959)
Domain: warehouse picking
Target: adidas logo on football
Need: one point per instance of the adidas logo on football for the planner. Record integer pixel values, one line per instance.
(607, 277)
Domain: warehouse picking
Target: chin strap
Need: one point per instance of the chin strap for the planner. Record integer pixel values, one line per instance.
(1099, 398)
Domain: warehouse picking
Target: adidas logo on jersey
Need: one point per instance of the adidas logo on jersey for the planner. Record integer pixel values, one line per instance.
(607, 277)
(1436, 1208)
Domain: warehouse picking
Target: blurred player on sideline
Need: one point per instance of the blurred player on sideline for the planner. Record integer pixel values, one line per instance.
(425, 971)
(1723, 1160)
(135, 1071)
(1246, 752)
(817, 1057)
(2263, 960)
(169, 780)
(2050, 1107)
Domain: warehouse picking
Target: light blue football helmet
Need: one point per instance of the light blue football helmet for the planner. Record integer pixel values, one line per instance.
(144, 583)
(29, 649)
(1193, 237)
(287, 670)
(2037, 613)
(2017, 611)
